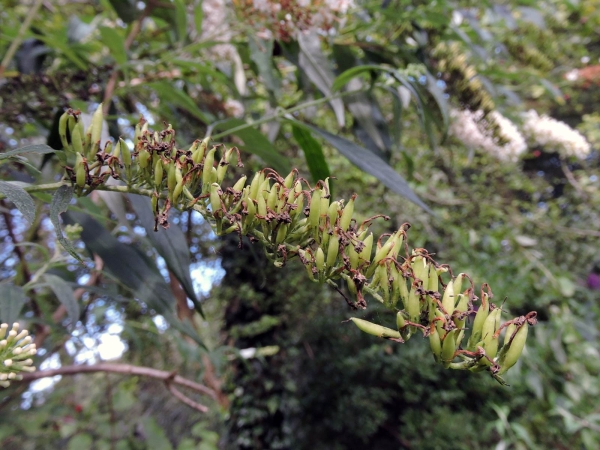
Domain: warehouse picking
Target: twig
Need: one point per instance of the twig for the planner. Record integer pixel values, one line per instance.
(168, 377)
(192, 404)
(571, 179)
(17, 41)
(283, 112)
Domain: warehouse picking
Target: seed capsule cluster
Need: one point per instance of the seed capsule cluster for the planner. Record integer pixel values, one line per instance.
(16, 351)
(291, 218)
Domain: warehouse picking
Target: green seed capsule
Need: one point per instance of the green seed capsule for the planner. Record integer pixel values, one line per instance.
(435, 343)
(171, 177)
(365, 254)
(289, 180)
(413, 307)
(262, 206)
(320, 259)
(315, 207)
(80, 172)
(143, 159)
(76, 140)
(333, 250)
(96, 126)
(512, 355)
(281, 233)
(353, 256)
(374, 329)
(448, 298)
(125, 152)
(239, 185)
(254, 185)
(347, 214)
(207, 170)
(62, 131)
(177, 191)
(215, 199)
(272, 197)
(158, 174)
(510, 330)
(448, 347)
(332, 213)
(400, 320)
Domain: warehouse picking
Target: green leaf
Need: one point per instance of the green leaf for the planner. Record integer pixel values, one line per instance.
(115, 43)
(38, 148)
(313, 153)
(20, 198)
(256, 143)
(198, 19)
(12, 299)
(317, 68)
(261, 52)
(372, 164)
(171, 244)
(438, 95)
(65, 296)
(155, 435)
(169, 94)
(343, 78)
(60, 203)
(181, 19)
(80, 441)
(132, 268)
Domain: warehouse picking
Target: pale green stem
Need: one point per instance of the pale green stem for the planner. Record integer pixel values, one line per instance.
(283, 112)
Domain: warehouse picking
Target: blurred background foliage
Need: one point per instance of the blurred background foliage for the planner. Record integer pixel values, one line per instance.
(329, 88)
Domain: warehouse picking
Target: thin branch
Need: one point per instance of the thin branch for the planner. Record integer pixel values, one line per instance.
(19, 39)
(283, 112)
(112, 188)
(182, 398)
(126, 369)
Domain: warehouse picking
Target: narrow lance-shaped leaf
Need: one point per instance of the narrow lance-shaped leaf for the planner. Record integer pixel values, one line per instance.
(132, 268)
(372, 164)
(317, 67)
(12, 299)
(170, 243)
(313, 153)
(38, 148)
(65, 296)
(60, 203)
(261, 52)
(21, 199)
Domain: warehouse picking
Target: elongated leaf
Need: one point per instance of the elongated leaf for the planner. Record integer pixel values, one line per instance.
(65, 296)
(438, 95)
(181, 19)
(318, 69)
(115, 43)
(12, 299)
(313, 152)
(38, 148)
(255, 142)
(372, 164)
(170, 244)
(132, 268)
(261, 52)
(179, 98)
(20, 198)
(60, 203)
(345, 77)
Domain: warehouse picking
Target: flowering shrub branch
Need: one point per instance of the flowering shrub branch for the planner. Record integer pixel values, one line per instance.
(292, 219)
